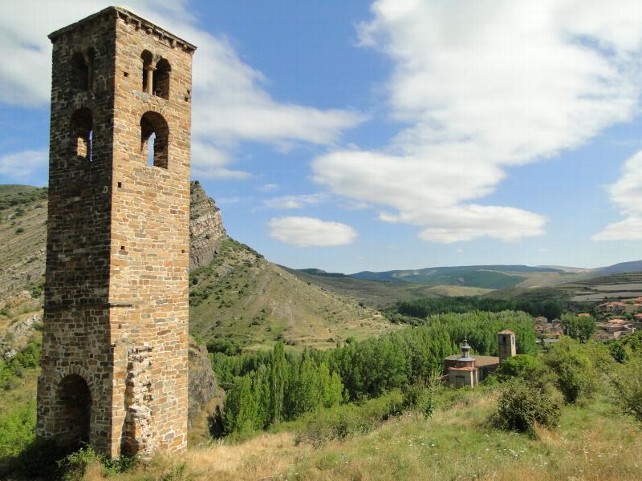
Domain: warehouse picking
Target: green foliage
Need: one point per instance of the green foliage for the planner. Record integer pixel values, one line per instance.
(574, 368)
(225, 346)
(422, 308)
(74, 465)
(13, 370)
(267, 387)
(421, 396)
(626, 378)
(622, 349)
(525, 367)
(14, 195)
(580, 328)
(340, 421)
(481, 328)
(522, 405)
(17, 429)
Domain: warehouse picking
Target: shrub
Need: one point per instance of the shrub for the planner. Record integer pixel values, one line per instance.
(421, 396)
(523, 366)
(521, 406)
(627, 382)
(571, 362)
(341, 421)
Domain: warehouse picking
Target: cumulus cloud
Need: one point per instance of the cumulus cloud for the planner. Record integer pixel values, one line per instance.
(626, 195)
(20, 166)
(477, 87)
(308, 232)
(230, 104)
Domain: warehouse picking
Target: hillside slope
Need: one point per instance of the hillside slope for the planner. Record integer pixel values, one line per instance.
(23, 215)
(235, 293)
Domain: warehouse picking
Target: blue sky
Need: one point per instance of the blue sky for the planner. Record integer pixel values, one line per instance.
(356, 135)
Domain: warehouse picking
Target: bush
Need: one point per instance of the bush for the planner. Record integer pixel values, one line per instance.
(523, 366)
(522, 406)
(627, 382)
(571, 362)
(341, 421)
(421, 396)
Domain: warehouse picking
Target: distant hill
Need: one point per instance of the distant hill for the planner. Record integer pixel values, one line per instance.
(623, 267)
(380, 294)
(485, 277)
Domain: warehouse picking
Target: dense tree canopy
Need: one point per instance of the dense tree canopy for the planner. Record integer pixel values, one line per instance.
(267, 387)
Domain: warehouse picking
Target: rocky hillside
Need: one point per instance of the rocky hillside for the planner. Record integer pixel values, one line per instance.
(235, 293)
(242, 297)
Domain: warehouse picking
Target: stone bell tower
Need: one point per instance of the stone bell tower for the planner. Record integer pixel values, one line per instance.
(114, 355)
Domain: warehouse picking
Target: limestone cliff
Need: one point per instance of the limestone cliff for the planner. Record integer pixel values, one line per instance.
(205, 227)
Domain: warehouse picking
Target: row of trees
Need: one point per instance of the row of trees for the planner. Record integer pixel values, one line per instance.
(268, 387)
(550, 308)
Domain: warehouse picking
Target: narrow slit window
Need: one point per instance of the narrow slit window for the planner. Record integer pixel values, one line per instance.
(148, 71)
(151, 141)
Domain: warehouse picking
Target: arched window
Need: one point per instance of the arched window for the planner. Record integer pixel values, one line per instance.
(161, 78)
(82, 133)
(79, 72)
(148, 71)
(74, 403)
(82, 69)
(154, 139)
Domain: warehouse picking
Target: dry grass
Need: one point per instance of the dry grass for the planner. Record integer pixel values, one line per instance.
(592, 443)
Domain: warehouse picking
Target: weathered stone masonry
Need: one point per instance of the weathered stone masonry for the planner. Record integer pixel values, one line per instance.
(114, 364)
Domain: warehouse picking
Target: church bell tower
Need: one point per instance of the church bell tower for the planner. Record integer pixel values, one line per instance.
(115, 340)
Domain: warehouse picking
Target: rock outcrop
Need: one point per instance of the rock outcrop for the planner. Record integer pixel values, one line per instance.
(205, 227)
(202, 381)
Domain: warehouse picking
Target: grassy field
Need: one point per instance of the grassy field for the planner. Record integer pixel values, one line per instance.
(593, 442)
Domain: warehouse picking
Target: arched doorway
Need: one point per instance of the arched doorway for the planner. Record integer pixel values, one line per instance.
(74, 403)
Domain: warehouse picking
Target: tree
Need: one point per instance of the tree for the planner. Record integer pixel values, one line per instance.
(277, 381)
(580, 328)
(240, 407)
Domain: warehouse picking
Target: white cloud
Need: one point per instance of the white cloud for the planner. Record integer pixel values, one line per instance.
(19, 166)
(294, 201)
(209, 162)
(268, 188)
(626, 195)
(481, 86)
(230, 104)
(308, 232)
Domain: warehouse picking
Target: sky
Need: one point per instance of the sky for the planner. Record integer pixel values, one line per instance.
(353, 135)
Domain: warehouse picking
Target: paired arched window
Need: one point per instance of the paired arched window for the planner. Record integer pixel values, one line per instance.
(156, 74)
(154, 139)
(82, 69)
(82, 133)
